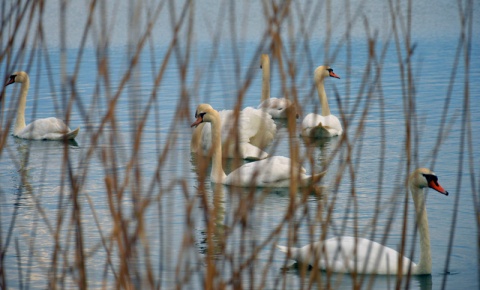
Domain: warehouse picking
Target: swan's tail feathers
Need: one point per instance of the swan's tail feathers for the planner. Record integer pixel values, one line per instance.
(72, 134)
(317, 177)
(320, 131)
(294, 252)
(312, 179)
(282, 248)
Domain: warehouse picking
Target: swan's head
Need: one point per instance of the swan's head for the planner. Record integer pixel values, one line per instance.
(424, 177)
(264, 61)
(17, 77)
(324, 71)
(204, 113)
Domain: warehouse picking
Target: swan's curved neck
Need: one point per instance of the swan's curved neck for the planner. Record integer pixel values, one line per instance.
(425, 264)
(323, 97)
(265, 81)
(217, 175)
(22, 103)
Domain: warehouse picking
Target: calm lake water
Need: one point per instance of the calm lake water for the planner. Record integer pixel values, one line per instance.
(30, 208)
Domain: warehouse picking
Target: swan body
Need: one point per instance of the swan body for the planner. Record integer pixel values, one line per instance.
(278, 108)
(256, 130)
(326, 124)
(41, 129)
(318, 126)
(362, 256)
(271, 172)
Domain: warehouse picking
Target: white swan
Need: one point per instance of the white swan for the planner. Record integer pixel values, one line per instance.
(338, 254)
(256, 130)
(277, 108)
(41, 129)
(271, 172)
(326, 124)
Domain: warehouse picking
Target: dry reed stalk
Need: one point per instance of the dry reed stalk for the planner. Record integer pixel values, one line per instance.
(233, 255)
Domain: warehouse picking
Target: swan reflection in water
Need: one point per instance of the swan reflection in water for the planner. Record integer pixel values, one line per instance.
(236, 215)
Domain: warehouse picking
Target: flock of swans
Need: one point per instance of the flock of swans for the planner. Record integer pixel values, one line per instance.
(339, 254)
(253, 132)
(256, 129)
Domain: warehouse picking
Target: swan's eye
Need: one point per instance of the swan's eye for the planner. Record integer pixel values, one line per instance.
(431, 177)
(329, 69)
(199, 115)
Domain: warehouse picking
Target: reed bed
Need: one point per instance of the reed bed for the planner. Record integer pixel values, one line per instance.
(74, 241)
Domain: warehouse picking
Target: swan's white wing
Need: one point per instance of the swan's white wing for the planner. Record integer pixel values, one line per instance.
(312, 120)
(45, 129)
(367, 256)
(249, 124)
(226, 116)
(271, 172)
(258, 126)
(277, 108)
(265, 172)
(228, 130)
(347, 255)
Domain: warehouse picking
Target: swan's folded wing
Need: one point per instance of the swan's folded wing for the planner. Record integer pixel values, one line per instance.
(347, 254)
(258, 126)
(270, 172)
(229, 130)
(227, 118)
(47, 128)
(312, 120)
(277, 108)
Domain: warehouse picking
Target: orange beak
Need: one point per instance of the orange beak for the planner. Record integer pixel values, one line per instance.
(435, 185)
(197, 122)
(334, 75)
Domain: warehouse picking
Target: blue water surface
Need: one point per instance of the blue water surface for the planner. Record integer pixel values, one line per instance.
(38, 209)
